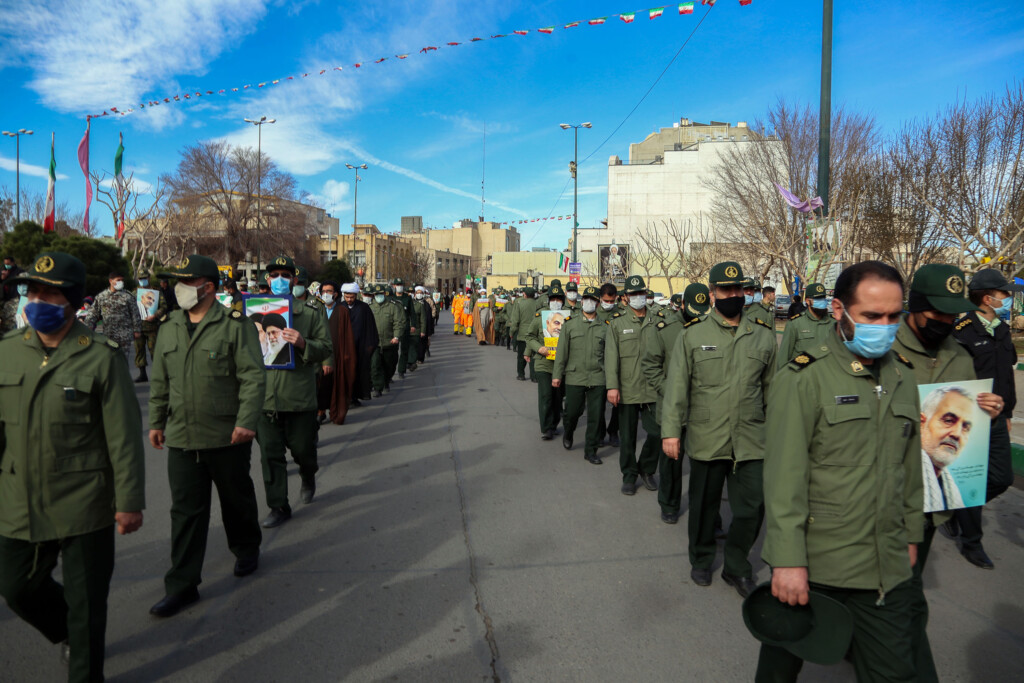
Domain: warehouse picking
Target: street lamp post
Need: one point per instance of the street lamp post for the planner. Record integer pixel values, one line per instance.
(573, 168)
(259, 182)
(355, 195)
(17, 166)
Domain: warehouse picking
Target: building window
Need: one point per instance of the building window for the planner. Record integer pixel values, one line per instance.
(357, 258)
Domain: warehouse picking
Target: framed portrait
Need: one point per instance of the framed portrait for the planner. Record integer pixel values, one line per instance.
(954, 444)
(271, 314)
(551, 322)
(614, 261)
(148, 301)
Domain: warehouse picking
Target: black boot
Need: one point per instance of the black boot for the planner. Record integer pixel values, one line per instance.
(143, 377)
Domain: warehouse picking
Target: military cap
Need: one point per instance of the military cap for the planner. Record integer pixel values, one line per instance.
(556, 290)
(194, 266)
(818, 632)
(635, 285)
(282, 263)
(943, 286)
(990, 278)
(572, 287)
(142, 274)
(725, 274)
(388, 290)
(814, 290)
(676, 299)
(545, 288)
(554, 282)
(697, 299)
(398, 281)
(591, 293)
(301, 275)
(749, 282)
(56, 269)
(530, 291)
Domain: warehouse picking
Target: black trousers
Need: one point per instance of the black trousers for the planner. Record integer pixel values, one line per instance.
(670, 486)
(549, 402)
(746, 502)
(630, 466)
(1000, 478)
(76, 611)
(613, 424)
(576, 399)
(521, 360)
(276, 433)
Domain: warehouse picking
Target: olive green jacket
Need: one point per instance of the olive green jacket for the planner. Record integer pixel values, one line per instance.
(842, 480)
(294, 391)
(803, 333)
(623, 349)
(716, 387)
(390, 319)
(202, 387)
(71, 451)
(522, 317)
(760, 310)
(579, 359)
(420, 314)
(406, 302)
(659, 341)
(535, 340)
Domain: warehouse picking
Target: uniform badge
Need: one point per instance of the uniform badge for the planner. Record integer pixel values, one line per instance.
(857, 366)
(700, 298)
(802, 359)
(731, 271)
(83, 340)
(213, 355)
(184, 263)
(281, 262)
(955, 284)
(44, 264)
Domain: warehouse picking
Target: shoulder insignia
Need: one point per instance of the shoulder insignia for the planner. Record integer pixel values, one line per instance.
(963, 323)
(236, 315)
(163, 318)
(661, 314)
(802, 361)
(906, 361)
(608, 322)
(661, 324)
(112, 344)
(537, 314)
(312, 304)
(692, 322)
(567, 318)
(794, 317)
(83, 340)
(616, 315)
(761, 322)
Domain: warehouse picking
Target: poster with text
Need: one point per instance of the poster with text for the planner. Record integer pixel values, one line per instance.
(272, 315)
(954, 444)
(614, 261)
(551, 321)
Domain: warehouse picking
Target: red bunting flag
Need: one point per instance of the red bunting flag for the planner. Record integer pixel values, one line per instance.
(380, 60)
(572, 25)
(357, 64)
(453, 44)
(520, 33)
(598, 21)
(473, 40)
(686, 8)
(656, 12)
(546, 29)
(401, 56)
(744, 3)
(427, 48)
(709, 3)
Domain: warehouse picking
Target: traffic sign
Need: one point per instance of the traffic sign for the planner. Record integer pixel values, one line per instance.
(574, 278)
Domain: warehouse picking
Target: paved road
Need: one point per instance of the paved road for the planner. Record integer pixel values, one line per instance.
(448, 542)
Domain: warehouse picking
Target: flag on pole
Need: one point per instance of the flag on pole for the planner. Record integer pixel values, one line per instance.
(119, 179)
(656, 12)
(598, 21)
(83, 161)
(563, 263)
(686, 8)
(49, 220)
(628, 18)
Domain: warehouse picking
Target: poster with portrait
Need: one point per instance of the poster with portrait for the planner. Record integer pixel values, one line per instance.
(20, 320)
(614, 261)
(225, 299)
(954, 444)
(271, 315)
(551, 322)
(148, 301)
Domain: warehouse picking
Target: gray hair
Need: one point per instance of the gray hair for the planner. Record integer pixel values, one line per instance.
(934, 398)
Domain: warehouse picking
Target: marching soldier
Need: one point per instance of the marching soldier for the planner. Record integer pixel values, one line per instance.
(73, 465)
(411, 318)
(119, 314)
(549, 395)
(300, 291)
(522, 318)
(808, 330)
(150, 325)
(629, 390)
(572, 297)
(715, 390)
(206, 393)
(768, 303)
(605, 311)
(696, 301)
(390, 319)
(579, 371)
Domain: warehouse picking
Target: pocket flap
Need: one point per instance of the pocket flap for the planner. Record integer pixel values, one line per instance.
(11, 379)
(906, 410)
(81, 383)
(842, 413)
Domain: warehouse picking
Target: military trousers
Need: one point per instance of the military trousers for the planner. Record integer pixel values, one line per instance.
(276, 432)
(746, 502)
(521, 361)
(880, 648)
(191, 475)
(389, 357)
(1000, 478)
(76, 611)
(576, 399)
(413, 352)
(146, 341)
(424, 348)
(630, 415)
(613, 424)
(549, 402)
(403, 352)
(920, 646)
(670, 484)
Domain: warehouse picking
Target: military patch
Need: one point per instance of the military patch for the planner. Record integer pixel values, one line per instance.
(955, 284)
(692, 322)
(905, 360)
(616, 315)
(857, 366)
(235, 314)
(606, 322)
(83, 340)
(761, 322)
(796, 316)
(661, 325)
(802, 361)
(112, 344)
(731, 271)
(44, 264)
(962, 325)
(661, 314)
(701, 298)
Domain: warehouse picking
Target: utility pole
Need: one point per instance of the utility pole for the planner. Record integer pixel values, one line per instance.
(825, 111)
(17, 167)
(355, 194)
(573, 170)
(259, 184)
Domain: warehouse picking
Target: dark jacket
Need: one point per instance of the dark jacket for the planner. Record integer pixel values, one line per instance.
(994, 357)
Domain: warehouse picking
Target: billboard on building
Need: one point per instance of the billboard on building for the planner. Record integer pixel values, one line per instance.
(614, 261)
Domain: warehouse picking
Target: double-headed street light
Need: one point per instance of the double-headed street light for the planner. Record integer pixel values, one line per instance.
(259, 181)
(573, 167)
(17, 166)
(355, 202)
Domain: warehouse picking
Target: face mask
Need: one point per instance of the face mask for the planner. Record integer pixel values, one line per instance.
(187, 296)
(420, 296)
(572, 296)
(730, 306)
(399, 289)
(589, 305)
(1004, 307)
(143, 282)
(298, 290)
(23, 290)
(869, 341)
(607, 306)
(379, 298)
(7, 266)
(758, 297)
(554, 305)
(650, 300)
(280, 285)
(748, 299)
(119, 285)
(328, 298)
(819, 304)
(934, 331)
(637, 302)
(44, 317)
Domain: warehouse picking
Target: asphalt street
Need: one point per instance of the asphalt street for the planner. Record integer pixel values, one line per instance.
(448, 542)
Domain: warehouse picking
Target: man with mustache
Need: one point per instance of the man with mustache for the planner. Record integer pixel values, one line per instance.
(947, 415)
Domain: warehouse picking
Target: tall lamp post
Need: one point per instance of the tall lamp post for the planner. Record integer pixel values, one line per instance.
(259, 182)
(17, 166)
(575, 183)
(355, 202)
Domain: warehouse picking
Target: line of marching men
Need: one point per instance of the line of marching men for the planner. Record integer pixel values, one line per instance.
(792, 429)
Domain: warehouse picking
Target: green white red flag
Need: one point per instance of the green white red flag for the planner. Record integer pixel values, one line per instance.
(686, 8)
(598, 21)
(119, 180)
(51, 188)
(628, 17)
(546, 29)
(656, 12)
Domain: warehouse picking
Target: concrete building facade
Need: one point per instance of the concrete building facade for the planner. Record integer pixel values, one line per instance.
(478, 240)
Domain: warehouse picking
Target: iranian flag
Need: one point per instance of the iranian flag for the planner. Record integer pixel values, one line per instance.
(686, 8)
(48, 222)
(547, 29)
(628, 18)
(520, 33)
(598, 21)
(572, 25)
(119, 180)
(563, 263)
(83, 161)
(656, 12)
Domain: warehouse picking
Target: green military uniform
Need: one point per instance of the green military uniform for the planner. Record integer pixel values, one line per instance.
(207, 379)
(522, 318)
(717, 380)
(843, 498)
(651, 306)
(610, 428)
(501, 304)
(549, 398)
(637, 400)
(806, 331)
(579, 364)
(302, 280)
(71, 455)
(147, 340)
(418, 322)
(408, 307)
(659, 340)
(288, 420)
(389, 316)
(119, 313)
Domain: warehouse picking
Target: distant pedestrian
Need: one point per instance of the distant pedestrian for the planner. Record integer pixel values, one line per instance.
(364, 339)
(118, 312)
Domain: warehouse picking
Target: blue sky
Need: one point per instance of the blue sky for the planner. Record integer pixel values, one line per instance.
(419, 122)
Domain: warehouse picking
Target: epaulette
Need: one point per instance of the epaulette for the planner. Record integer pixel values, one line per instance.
(567, 318)
(761, 322)
(964, 323)
(661, 313)
(163, 318)
(906, 361)
(692, 322)
(312, 304)
(608, 321)
(794, 317)
(802, 361)
(661, 324)
(110, 342)
(537, 314)
(235, 315)
(617, 315)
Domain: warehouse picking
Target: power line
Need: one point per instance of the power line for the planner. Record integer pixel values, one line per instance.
(545, 220)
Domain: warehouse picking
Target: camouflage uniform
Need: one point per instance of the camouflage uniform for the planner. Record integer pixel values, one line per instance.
(8, 315)
(120, 316)
(149, 331)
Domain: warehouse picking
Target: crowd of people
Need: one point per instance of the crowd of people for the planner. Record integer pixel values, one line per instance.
(822, 438)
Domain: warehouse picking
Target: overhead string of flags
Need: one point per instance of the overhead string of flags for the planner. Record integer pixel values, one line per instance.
(683, 8)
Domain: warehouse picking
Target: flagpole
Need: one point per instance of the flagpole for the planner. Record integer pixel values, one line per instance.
(825, 107)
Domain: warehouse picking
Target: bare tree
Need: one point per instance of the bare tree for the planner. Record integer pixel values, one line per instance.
(664, 248)
(33, 208)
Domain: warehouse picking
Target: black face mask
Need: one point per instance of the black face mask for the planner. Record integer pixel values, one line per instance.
(934, 331)
(729, 307)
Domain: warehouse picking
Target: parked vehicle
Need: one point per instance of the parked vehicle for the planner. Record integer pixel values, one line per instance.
(782, 302)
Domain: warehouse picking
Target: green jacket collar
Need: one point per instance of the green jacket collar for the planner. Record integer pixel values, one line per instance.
(78, 338)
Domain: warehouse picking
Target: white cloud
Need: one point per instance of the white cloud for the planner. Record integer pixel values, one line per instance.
(138, 186)
(28, 169)
(333, 196)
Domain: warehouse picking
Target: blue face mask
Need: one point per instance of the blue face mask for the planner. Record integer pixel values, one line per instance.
(819, 304)
(44, 317)
(143, 282)
(869, 341)
(1004, 308)
(758, 297)
(748, 299)
(298, 290)
(280, 285)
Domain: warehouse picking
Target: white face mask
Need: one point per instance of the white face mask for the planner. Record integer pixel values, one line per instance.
(650, 300)
(589, 305)
(637, 302)
(572, 296)
(420, 296)
(607, 306)
(328, 298)
(187, 295)
(298, 290)
(379, 298)
(399, 289)
(119, 285)
(554, 305)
